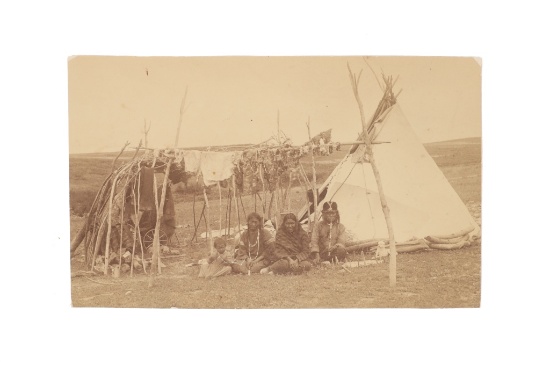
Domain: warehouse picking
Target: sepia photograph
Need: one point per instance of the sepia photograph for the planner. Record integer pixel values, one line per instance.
(275, 182)
(316, 183)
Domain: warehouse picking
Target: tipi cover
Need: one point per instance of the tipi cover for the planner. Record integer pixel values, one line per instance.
(421, 200)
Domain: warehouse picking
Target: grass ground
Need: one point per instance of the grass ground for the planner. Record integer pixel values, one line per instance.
(429, 279)
(435, 279)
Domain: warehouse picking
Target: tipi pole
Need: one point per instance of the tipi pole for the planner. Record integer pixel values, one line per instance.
(385, 208)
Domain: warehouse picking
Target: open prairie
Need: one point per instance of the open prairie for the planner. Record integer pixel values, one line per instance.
(426, 279)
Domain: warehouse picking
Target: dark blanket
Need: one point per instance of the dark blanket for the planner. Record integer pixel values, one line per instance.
(146, 189)
(295, 244)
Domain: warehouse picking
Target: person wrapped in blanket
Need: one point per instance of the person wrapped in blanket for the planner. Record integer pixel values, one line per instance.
(253, 246)
(329, 236)
(219, 263)
(291, 251)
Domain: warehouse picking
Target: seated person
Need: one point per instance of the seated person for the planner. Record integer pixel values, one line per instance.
(291, 250)
(252, 247)
(219, 263)
(329, 236)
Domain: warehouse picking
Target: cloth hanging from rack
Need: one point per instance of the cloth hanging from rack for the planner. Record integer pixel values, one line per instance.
(217, 166)
(192, 160)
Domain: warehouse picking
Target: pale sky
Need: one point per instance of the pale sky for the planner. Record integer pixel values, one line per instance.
(235, 100)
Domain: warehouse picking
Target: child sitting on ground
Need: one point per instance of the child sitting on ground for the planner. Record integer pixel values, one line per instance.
(219, 263)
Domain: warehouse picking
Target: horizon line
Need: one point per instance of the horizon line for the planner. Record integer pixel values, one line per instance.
(232, 145)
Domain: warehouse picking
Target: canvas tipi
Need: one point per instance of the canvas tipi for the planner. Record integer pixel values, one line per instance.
(422, 203)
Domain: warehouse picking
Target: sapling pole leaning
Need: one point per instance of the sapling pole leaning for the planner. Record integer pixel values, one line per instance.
(313, 180)
(236, 204)
(220, 218)
(305, 186)
(270, 204)
(385, 209)
(263, 189)
(155, 191)
(108, 242)
(145, 132)
(135, 226)
(135, 219)
(120, 153)
(122, 228)
(94, 208)
(229, 200)
(155, 261)
(81, 235)
(194, 214)
(137, 150)
(98, 238)
(288, 190)
(84, 234)
(138, 220)
(198, 224)
(182, 111)
(280, 195)
(207, 220)
(277, 211)
(242, 205)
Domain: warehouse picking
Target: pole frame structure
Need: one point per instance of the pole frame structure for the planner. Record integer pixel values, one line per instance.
(368, 149)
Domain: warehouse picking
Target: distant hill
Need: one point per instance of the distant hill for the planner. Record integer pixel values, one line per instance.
(130, 152)
(467, 140)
